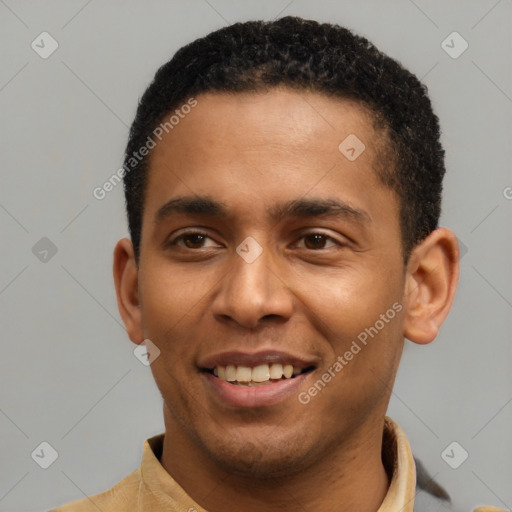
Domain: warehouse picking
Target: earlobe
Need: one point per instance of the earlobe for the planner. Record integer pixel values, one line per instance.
(126, 280)
(431, 281)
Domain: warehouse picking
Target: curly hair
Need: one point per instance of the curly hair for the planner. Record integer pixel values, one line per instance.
(304, 55)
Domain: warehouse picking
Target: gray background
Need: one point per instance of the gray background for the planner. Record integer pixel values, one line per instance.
(68, 375)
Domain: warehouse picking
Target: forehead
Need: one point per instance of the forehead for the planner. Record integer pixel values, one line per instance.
(266, 147)
(279, 116)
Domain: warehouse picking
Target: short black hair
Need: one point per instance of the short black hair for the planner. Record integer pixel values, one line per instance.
(304, 55)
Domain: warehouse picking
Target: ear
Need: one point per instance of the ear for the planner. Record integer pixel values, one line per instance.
(126, 279)
(431, 280)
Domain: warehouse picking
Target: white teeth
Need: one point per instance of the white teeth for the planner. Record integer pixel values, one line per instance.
(243, 374)
(276, 371)
(230, 373)
(288, 371)
(261, 373)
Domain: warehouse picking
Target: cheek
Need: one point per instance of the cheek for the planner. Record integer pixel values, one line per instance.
(365, 352)
(359, 315)
(343, 304)
(170, 302)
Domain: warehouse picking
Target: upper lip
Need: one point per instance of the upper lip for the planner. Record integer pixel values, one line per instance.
(238, 358)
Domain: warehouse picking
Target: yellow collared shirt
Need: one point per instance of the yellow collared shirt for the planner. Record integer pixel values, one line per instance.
(151, 489)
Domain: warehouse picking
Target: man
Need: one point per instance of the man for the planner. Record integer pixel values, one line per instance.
(283, 185)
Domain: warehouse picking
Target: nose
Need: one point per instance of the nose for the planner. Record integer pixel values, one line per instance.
(253, 292)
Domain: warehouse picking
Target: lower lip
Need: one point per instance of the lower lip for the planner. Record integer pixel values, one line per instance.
(254, 396)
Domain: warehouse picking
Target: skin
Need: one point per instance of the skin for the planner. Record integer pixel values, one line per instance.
(305, 295)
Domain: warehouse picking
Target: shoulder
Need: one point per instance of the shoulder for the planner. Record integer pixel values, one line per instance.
(120, 497)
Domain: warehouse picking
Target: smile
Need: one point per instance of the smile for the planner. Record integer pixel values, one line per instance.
(259, 379)
(261, 375)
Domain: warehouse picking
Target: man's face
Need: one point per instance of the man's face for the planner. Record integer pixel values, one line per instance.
(319, 282)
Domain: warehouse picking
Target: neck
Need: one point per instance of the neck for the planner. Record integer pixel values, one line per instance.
(350, 477)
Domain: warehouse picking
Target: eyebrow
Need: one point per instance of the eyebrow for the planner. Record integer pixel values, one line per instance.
(299, 208)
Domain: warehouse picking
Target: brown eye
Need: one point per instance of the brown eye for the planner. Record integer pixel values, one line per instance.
(318, 241)
(192, 240)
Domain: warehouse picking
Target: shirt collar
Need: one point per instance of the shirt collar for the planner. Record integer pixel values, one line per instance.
(158, 488)
(398, 460)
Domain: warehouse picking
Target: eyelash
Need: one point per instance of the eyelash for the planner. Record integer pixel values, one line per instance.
(201, 233)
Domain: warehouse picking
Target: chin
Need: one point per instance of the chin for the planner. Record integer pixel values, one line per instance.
(269, 458)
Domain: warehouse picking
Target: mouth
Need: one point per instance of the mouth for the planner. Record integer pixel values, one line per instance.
(266, 378)
(260, 375)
